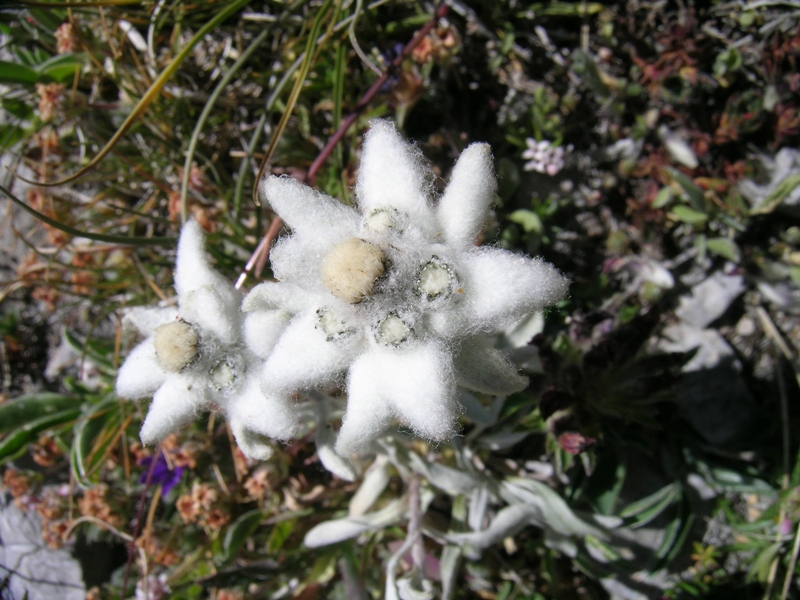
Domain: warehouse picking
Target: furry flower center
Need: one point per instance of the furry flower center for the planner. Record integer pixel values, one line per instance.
(351, 268)
(176, 345)
(393, 331)
(436, 279)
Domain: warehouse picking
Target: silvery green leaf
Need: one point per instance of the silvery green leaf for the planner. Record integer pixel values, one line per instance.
(502, 439)
(604, 521)
(336, 464)
(475, 411)
(338, 530)
(527, 359)
(556, 514)
(390, 591)
(724, 247)
(449, 565)
(507, 522)
(677, 147)
(693, 193)
(557, 541)
(407, 589)
(477, 507)
(375, 481)
(446, 479)
(332, 461)
(522, 332)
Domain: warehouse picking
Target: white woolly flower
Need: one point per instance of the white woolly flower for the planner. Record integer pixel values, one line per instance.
(194, 356)
(543, 157)
(394, 293)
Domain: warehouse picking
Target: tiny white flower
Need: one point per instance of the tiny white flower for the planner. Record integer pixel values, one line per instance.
(394, 293)
(543, 157)
(153, 587)
(194, 356)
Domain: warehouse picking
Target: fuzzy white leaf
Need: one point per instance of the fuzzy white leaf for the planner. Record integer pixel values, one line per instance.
(338, 530)
(555, 512)
(375, 481)
(523, 331)
(449, 480)
(508, 521)
(336, 464)
(478, 504)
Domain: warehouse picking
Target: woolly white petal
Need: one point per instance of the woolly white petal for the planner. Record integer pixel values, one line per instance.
(174, 404)
(303, 358)
(271, 415)
(465, 203)
(271, 294)
(140, 375)
(145, 320)
(192, 270)
(253, 445)
(262, 329)
(307, 211)
(482, 368)
(393, 175)
(214, 310)
(367, 415)
(502, 287)
(415, 384)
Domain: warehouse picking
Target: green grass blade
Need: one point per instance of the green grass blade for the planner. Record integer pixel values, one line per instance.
(308, 59)
(234, 69)
(112, 239)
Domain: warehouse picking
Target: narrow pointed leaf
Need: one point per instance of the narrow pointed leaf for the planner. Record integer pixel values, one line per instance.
(112, 239)
(23, 410)
(239, 532)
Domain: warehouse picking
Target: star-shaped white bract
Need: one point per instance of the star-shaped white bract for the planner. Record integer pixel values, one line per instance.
(395, 293)
(194, 356)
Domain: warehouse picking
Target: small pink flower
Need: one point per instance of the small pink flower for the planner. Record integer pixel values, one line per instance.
(575, 443)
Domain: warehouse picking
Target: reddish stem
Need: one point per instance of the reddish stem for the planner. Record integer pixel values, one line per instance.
(139, 514)
(371, 92)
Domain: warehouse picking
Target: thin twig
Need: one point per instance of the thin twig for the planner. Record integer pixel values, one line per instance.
(137, 527)
(259, 257)
(415, 528)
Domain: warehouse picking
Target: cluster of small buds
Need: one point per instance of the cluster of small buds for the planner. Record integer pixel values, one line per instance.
(66, 40)
(543, 157)
(202, 506)
(394, 295)
(49, 98)
(95, 503)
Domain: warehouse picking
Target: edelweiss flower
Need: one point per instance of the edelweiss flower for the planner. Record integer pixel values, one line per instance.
(395, 293)
(543, 157)
(193, 357)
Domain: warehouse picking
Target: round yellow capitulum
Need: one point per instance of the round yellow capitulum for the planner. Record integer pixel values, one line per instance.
(176, 345)
(351, 268)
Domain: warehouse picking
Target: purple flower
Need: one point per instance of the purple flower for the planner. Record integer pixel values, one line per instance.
(162, 475)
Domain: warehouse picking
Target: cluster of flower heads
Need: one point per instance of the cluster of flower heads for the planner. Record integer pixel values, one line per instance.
(392, 298)
(543, 157)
